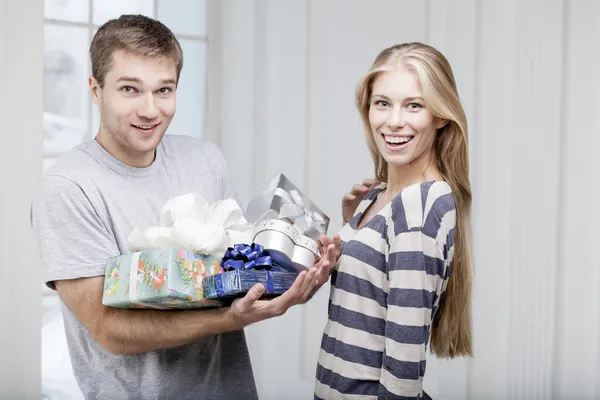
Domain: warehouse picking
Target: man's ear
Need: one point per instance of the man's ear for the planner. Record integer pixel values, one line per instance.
(95, 90)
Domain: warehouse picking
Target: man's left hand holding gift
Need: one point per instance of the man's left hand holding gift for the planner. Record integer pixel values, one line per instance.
(250, 309)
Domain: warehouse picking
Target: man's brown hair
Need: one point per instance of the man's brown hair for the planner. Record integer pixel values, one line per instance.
(136, 34)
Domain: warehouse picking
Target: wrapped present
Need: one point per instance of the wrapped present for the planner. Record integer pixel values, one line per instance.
(243, 267)
(167, 263)
(164, 278)
(190, 222)
(287, 224)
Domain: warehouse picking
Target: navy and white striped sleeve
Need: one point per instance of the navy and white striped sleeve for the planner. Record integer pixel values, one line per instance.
(416, 271)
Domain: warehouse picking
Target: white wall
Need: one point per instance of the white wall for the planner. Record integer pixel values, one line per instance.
(21, 52)
(526, 75)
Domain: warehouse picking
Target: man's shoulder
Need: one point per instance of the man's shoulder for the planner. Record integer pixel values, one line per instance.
(177, 144)
(179, 147)
(74, 164)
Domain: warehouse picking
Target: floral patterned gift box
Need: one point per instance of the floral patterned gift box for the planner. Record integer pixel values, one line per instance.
(166, 278)
(166, 264)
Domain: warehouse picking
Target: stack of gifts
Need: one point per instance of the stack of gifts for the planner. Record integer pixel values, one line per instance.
(204, 255)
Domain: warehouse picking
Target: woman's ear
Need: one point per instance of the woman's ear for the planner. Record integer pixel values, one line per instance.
(442, 123)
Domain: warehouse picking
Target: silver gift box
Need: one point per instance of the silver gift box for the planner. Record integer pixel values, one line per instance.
(287, 224)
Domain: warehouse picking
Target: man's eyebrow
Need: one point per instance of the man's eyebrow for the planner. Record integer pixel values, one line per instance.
(169, 81)
(129, 79)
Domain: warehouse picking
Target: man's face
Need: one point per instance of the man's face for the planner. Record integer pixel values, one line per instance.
(137, 104)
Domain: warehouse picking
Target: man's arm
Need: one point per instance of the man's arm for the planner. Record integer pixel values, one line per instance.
(122, 331)
(75, 246)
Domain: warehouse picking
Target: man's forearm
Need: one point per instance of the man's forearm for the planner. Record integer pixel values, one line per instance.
(139, 331)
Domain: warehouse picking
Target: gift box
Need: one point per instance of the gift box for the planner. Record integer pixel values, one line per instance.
(167, 263)
(244, 266)
(287, 224)
(167, 278)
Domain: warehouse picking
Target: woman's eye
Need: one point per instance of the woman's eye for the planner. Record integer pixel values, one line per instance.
(381, 103)
(414, 106)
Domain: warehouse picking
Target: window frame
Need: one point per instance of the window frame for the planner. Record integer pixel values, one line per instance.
(211, 76)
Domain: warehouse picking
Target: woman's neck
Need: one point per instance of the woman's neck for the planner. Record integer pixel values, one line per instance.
(423, 169)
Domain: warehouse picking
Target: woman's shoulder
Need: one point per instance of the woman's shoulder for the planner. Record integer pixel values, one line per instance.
(414, 205)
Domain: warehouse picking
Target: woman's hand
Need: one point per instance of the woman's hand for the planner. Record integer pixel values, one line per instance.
(352, 199)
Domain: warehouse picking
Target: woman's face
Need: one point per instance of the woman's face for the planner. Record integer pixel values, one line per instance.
(403, 127)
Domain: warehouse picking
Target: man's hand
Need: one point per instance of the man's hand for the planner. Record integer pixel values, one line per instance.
(351, 200)
(250, 309)
(331, 249)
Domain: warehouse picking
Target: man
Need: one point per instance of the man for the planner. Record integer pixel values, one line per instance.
(88, 202)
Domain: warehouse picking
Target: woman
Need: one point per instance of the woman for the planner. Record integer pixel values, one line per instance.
(404, 273)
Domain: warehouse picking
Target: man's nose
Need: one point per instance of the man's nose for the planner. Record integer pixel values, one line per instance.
(148, 108)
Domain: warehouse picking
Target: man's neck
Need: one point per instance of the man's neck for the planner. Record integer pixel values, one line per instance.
(129, 158)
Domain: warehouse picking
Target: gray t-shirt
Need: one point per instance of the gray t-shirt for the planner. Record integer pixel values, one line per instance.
(83, 209)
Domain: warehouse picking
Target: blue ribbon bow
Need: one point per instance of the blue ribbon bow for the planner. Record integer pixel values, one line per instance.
(244, 257)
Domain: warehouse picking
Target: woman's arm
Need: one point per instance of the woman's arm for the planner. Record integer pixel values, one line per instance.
(416, 270)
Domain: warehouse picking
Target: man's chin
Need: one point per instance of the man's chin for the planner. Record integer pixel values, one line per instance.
(147, 143)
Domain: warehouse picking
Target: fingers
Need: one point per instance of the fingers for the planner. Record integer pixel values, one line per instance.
(294, 290)
(309, 282)
(359, 190)
(337, 241)
(325, 268)
(255, 293)
(331, 260)
(348, 198)
(325, 240)
(331, 249)
(371, 182)
(364, 187)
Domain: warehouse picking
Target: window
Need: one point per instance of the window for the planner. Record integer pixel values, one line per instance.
(69, 115)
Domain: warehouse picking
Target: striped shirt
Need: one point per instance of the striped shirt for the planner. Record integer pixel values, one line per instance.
(385, 291)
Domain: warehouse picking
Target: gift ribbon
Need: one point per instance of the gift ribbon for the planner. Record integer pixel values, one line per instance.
(242, 257)
(295, 209)
(190, 222)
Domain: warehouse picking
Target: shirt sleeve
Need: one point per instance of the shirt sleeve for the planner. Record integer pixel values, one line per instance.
(416, 267)
(73, 241)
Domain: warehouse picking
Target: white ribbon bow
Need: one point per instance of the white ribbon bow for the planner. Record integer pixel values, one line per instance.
(189, 222)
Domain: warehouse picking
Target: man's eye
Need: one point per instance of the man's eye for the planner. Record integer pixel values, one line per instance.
(127, 89)
(164, 90)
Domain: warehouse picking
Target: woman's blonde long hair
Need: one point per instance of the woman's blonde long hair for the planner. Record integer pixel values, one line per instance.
(451, 329)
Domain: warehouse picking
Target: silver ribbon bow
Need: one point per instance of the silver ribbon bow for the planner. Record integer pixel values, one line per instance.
(298, 211)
